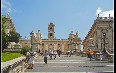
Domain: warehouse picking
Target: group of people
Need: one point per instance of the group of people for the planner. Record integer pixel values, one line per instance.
(31, 55)
(69, 53)
(51, 53)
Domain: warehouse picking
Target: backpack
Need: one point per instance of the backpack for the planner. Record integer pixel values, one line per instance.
(31, 53)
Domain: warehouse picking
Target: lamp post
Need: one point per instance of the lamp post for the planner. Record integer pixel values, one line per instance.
(31, 40)
(104, 35)
(76, 47)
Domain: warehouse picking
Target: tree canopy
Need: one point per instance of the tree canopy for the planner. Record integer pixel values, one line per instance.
(14, 36)
(6, 38)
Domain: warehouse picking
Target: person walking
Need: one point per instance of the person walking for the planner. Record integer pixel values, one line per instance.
(59, 52)
(67, 52)
(27, 57)
(31, 59)
(70, 53)
(45, 54)
(50, 54)
(54, 53)
(91, 54)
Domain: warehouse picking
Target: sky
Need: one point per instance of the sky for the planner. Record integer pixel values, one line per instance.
(66, 15)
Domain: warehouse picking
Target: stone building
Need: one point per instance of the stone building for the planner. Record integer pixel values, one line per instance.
(9, 27)
(100, 36)
(9, 24)
(52, 43)
(74, 42)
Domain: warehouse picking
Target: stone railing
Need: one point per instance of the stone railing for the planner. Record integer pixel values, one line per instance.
(16, 65)
(12, 50)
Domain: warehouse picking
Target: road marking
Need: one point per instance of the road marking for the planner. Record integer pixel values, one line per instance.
(108, 71)
(109, 65)
(54, 72)
(61, 62)
(66, 60)
(58, 66)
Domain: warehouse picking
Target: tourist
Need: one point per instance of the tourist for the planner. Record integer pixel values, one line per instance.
(31, 59)
(59, 52)
(91, 54)
(67, 52)
(54, 53)
(27, 57)
(70, 53)
(45, 56)
(50, 54)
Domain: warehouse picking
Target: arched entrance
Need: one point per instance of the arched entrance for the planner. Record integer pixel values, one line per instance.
(51, 47)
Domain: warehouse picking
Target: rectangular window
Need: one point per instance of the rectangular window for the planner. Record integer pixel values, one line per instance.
(50, 34)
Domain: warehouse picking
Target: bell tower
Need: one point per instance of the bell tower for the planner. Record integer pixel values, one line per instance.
(51, 31)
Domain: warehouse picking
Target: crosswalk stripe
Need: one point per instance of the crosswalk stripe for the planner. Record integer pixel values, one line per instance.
(109, 65)
(56, 72)
(65, 60)
(61, 62)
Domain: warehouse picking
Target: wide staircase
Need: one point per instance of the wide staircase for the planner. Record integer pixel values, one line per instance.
(109, 55)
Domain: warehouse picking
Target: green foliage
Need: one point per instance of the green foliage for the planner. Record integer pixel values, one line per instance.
(14, 37)
(24, 50)
(5, 42)
(6, 56)
(4, 35)
(3, 19)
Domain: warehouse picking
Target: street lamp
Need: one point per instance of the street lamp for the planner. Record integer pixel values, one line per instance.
(104, 35)
(31, 40)
(76, 47)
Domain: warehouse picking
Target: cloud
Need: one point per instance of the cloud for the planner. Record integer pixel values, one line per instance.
(7, 5)
(104, 13)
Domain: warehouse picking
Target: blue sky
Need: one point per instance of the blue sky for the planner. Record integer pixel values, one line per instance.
(67, 15)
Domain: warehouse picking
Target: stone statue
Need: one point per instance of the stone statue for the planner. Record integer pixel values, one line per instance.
(77, 34)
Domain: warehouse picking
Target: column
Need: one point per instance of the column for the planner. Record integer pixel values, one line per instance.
(38, 46)
(55, 46)
(47, 47)
(76, 48)
(79, 46)
(62, 47)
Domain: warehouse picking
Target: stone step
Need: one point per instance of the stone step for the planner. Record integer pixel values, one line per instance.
(54, 72)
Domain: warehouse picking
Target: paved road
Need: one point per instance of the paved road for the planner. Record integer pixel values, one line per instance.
(73, 64)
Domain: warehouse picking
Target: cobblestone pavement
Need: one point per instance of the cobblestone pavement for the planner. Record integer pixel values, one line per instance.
(73, 64)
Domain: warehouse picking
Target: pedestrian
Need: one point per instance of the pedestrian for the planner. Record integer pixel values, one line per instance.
(45, 56)
(59, 52)
(91, 54)
(31, 59)
(70, 53)
(101, 56)
(50, 54)
(27, 57)
(88, 53)
(54, 53)
(67, 52)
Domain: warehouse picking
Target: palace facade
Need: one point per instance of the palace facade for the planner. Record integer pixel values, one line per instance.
(72, 43)
(100, 37)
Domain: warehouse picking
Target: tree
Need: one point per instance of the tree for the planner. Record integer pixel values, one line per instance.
(24, 50)
(4, 35)
(14, 36)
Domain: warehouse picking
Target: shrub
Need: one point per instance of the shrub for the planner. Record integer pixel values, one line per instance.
(6, 56)
(24, 50)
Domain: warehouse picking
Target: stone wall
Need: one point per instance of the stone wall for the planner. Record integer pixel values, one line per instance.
(17, 65)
